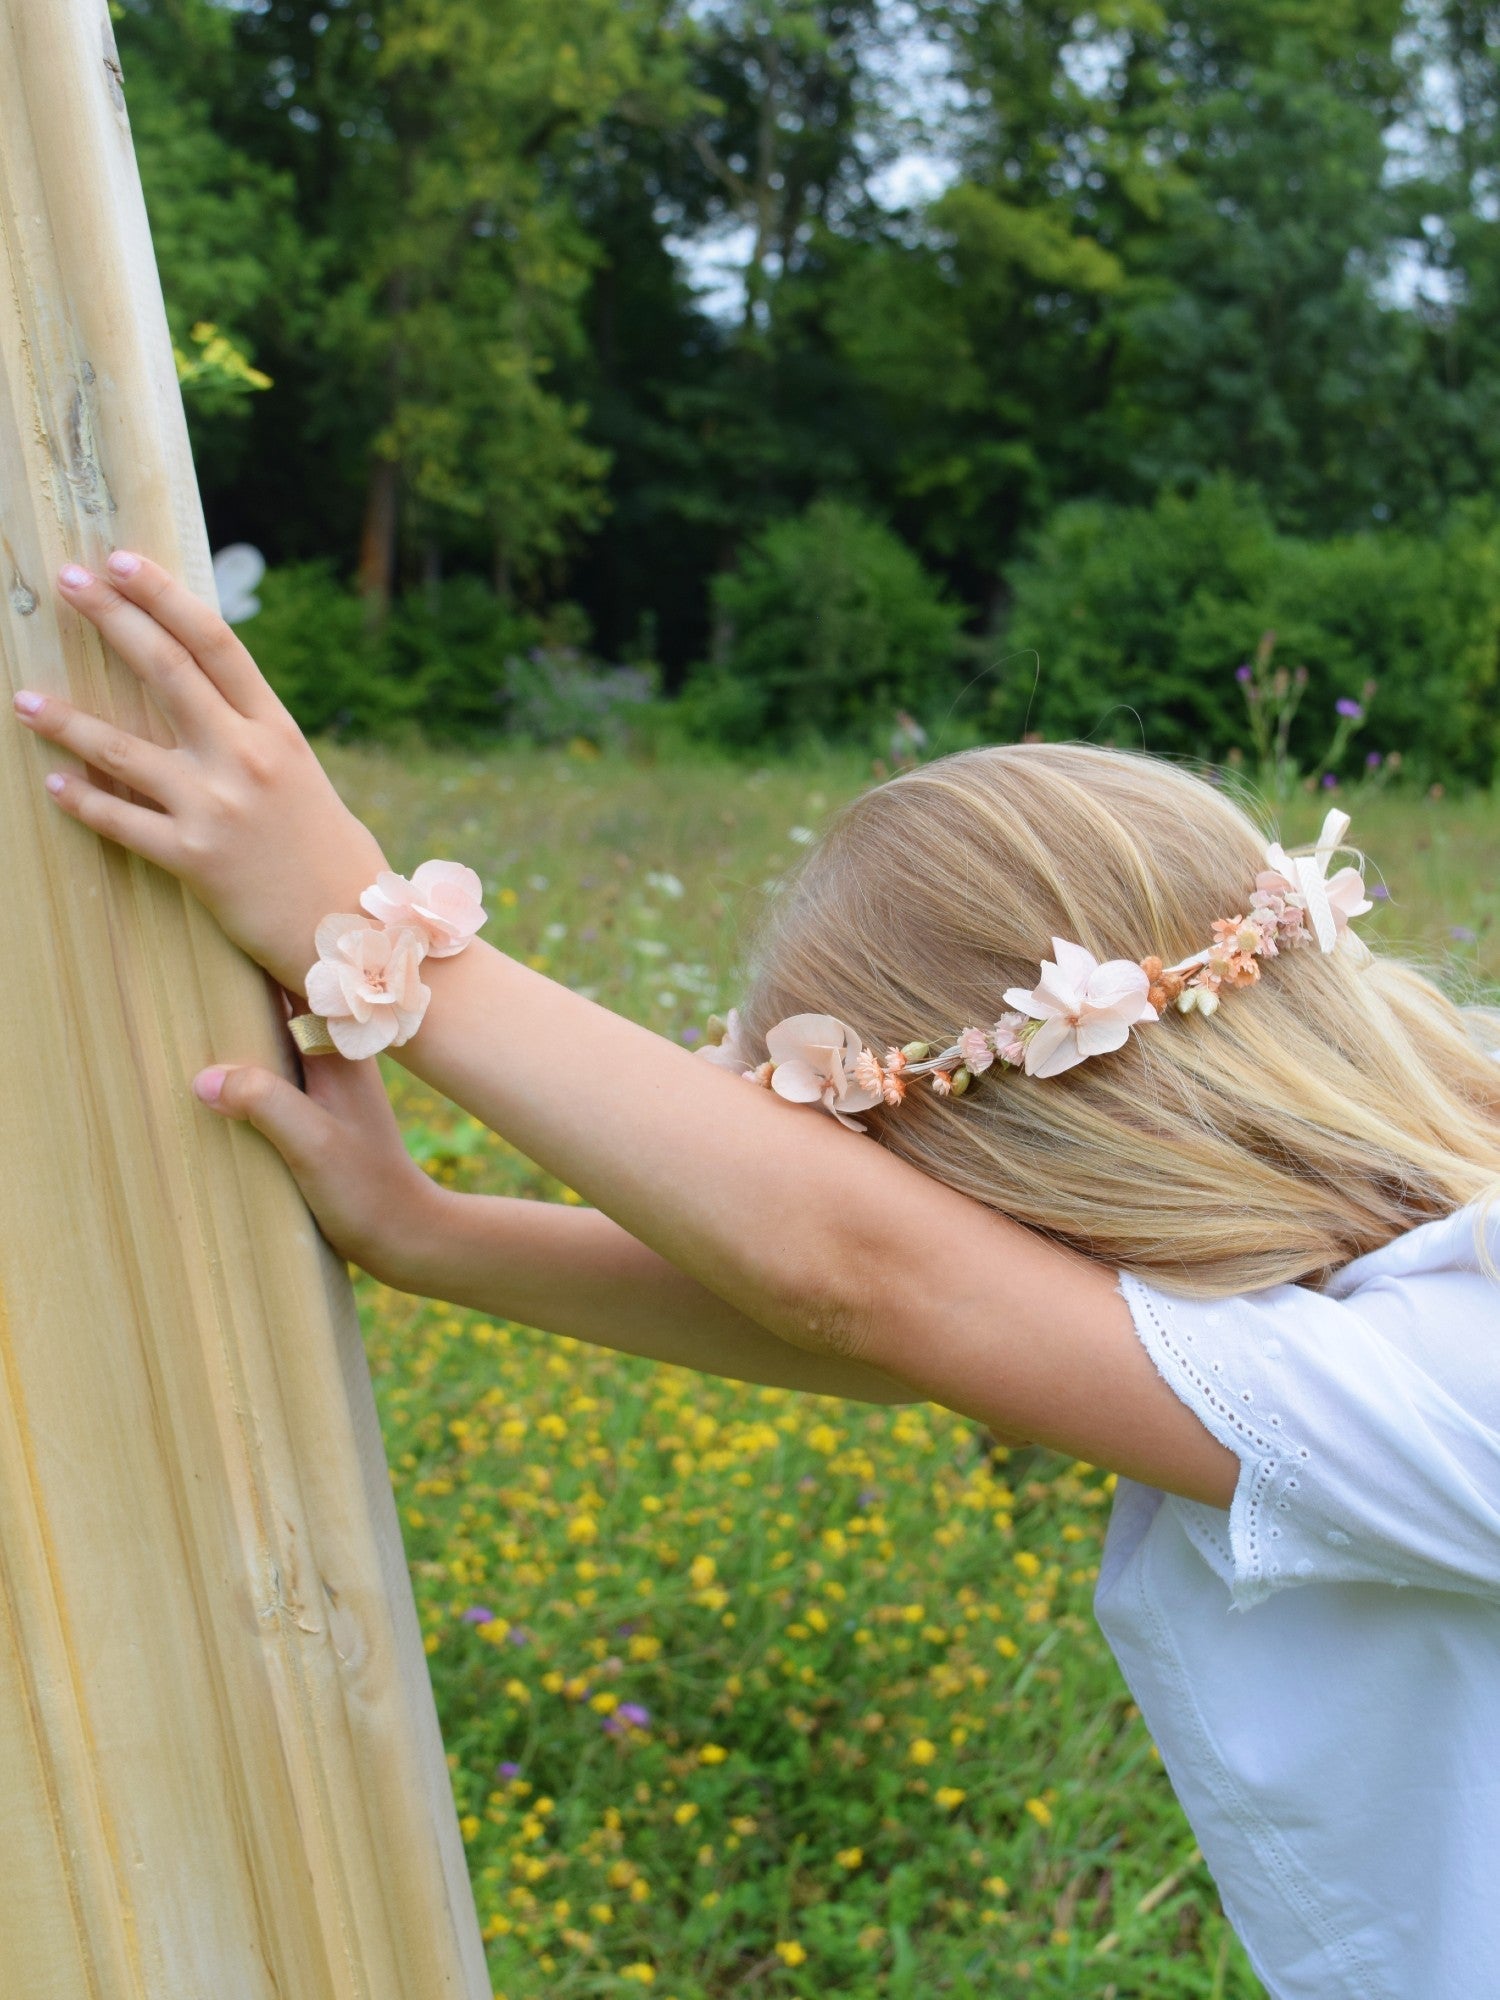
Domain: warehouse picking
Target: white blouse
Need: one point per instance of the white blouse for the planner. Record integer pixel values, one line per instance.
(1320, 1664)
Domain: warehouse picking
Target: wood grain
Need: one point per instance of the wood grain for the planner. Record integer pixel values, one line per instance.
(221, 1776)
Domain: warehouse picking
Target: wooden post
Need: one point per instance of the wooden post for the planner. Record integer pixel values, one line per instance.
(220, 1770)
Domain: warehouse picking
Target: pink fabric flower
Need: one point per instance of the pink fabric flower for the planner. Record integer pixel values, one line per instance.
(1085, 1008)
(1346, 897)
(443, 901)
(975, 1048)
(1330, 900)
(815, 1058)
(729, 1053)
(1009, 1046)
(366, 984)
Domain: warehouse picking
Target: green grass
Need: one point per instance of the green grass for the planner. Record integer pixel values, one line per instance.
(886, 1750)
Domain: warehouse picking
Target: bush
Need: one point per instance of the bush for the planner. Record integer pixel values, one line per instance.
(831, 626)
(310, 640)
(457, 662)
(1139, 617)
(450, 650)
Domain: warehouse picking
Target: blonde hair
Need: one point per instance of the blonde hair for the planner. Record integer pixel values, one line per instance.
(1339, 1102)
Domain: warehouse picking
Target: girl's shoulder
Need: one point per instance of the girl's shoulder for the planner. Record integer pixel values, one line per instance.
(1467, 1241)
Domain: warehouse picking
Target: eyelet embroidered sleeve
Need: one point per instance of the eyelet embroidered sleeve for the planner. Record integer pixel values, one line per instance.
(1360, 1461)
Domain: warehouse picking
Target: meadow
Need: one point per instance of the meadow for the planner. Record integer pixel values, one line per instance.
(746, 1692)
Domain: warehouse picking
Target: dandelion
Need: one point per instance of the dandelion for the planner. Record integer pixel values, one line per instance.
(922, 1751)
(790, 1952)
(1040, 1811)
(850, 1857)
(949, 1797)
(712, 1753)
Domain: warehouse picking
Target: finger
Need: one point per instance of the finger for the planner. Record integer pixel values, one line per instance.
(199, 628)
(352, 1092)
(300, 1130)
(145, 767)
(185, 694)
(150, 834)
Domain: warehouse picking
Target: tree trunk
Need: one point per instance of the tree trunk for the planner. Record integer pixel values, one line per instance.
(380, 529)
(220, 1769)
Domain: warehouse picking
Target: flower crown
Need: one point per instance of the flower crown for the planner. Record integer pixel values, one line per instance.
(1078, 1007)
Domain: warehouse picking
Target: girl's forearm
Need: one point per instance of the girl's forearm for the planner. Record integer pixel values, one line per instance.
(574, 1271)
(774, 1211)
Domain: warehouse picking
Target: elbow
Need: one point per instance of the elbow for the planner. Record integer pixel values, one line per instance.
(823, 1314)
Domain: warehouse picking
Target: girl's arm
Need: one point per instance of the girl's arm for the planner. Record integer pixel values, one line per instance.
(821, 1238)
(565, 1270)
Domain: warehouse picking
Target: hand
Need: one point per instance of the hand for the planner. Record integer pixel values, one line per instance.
(340, 1139)
(242, 811)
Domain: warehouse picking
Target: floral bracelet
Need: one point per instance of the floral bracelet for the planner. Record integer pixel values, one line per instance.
(365, 992)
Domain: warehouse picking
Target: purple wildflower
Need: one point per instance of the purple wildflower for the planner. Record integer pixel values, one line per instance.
(1242, 672)
(519, 1636)
(1372, 760)
(1347, 706)
(507, 1771)
(479, 1614)
(1378, 893)
(692, 1035)
(1329, 781)
(1461, 934)
(635, 1714)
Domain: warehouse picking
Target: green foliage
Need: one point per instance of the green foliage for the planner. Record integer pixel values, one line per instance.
(310, 640)
(1180, 242)
(1139, 617)
(830, 626)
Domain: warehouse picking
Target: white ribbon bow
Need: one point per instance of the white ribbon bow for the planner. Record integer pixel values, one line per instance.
(1308, 873)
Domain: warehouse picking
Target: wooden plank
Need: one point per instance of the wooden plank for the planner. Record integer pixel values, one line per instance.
(220, 1767)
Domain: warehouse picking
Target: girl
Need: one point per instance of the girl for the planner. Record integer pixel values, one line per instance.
(1201, 1198)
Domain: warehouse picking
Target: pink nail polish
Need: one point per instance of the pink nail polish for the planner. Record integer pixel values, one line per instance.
(55, 782)
(208, 1084)
(27, 702)
(74, 578)
(123, 563)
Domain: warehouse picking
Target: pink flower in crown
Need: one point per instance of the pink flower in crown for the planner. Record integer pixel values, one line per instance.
(366, 984)
(976, 1051)
(1009, 1044)
(1085, 1008)
(443, 901)
(1346, 897)
(815, 1060)
(729, 1051)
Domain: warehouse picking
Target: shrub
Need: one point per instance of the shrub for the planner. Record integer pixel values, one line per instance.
(458, 662)
(451, 649)
(310, 640)
(831, 626)
(1139, 617)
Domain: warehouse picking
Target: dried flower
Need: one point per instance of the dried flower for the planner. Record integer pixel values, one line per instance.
(977, 1051)
(814, 1057)
(1086, 1009)
(366, 984)
(443, 902)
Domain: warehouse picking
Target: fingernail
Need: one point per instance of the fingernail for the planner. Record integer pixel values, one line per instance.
(123, 563)
(27, 702)
(55, 782)
(74, 578)
(208, 1084)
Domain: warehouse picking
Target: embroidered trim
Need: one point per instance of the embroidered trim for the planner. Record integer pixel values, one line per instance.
(1261, 1455)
